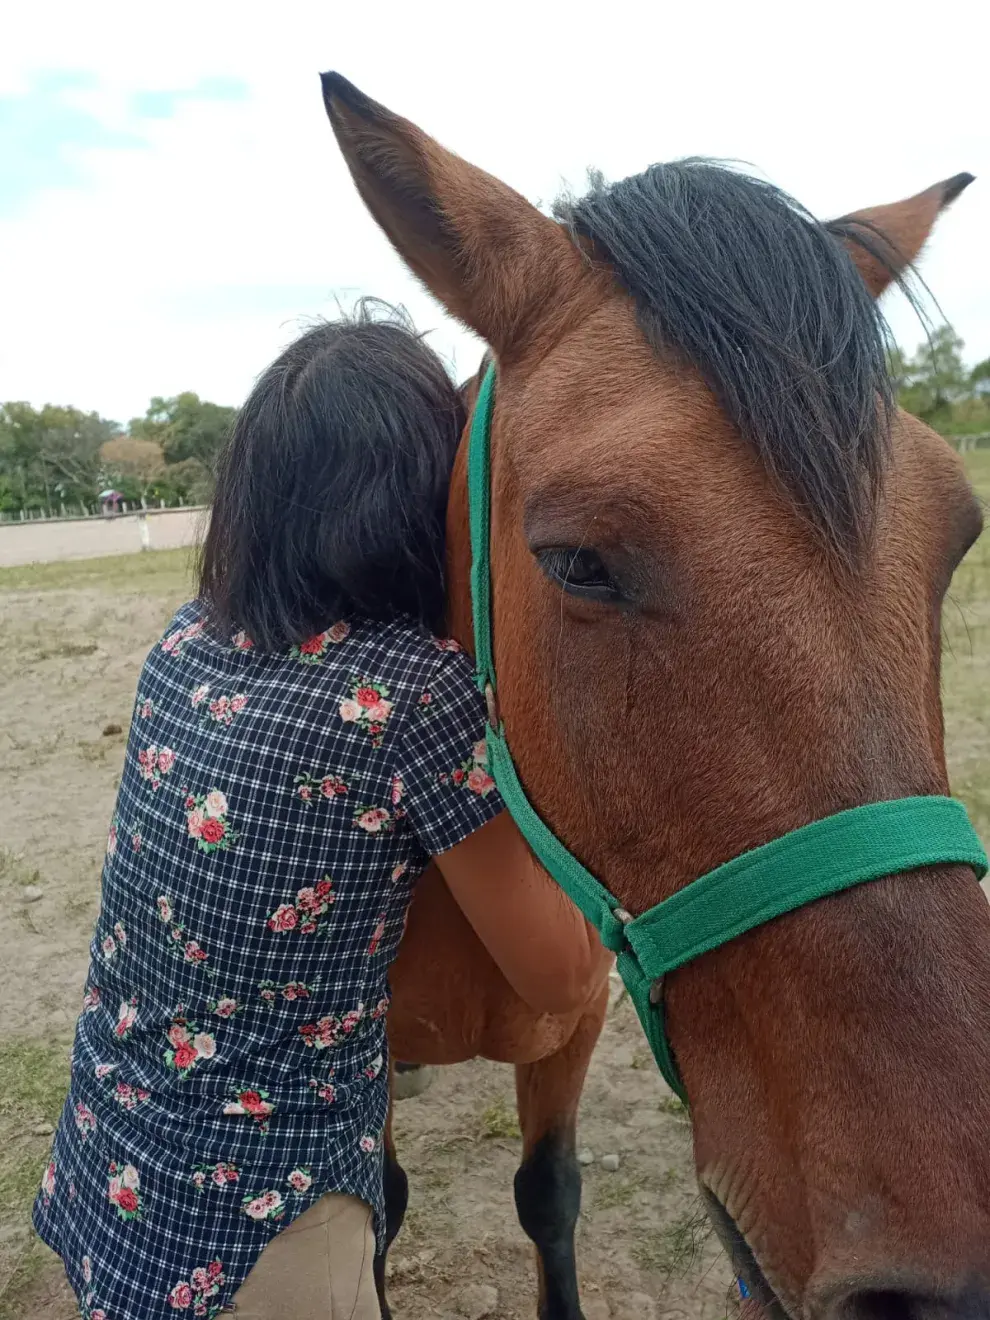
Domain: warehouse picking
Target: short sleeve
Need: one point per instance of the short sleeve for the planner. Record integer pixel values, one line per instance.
(447, 791)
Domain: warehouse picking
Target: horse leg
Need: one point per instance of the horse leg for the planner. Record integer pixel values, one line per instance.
(396, 1200)
(548, 1182)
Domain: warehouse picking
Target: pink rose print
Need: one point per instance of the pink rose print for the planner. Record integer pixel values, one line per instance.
(373, 1068)
(121, 934)
(146, 708)
(310, 787)
(181, 1297)
(175, 642)
(322, 1034)
(398, 788)
(368, 707)
(48, 1183)
(108, 948)
(85, 1120)
(250, 1103)
(222, 709)
(300, 1180)
(308, 912)
(269, 1205)
(292, 990)
(398, 871)
(224, 1007)
(241, 641)
(204, 1283)
(102, 1071)
(91, 999)
(154, 764)
(112, 838)
(480, 781)
(380, 1009)
(206, 821)
(374, 820)
(351, 1019)
(313, 651)
(327, 1031)
(446, 644)
(367, 1144)
(376, 935)
(325, 1090)
(124, 1190)
(283, 918)
(126, 1017)
(187, 1045)
(87, 1269)
(472, 774)
(129, 1097)
(179, 943)
(208, 1176)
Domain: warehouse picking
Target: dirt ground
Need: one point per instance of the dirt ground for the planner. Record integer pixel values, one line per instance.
(72, 639)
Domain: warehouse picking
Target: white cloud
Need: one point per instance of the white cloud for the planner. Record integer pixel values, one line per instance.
(187, 265)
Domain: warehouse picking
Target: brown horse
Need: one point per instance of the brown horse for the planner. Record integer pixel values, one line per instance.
(719, 559)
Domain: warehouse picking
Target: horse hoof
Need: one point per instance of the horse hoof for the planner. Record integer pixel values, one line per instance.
(411, 1079)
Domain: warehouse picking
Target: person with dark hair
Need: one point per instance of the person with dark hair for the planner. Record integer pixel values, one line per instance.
(304, 742)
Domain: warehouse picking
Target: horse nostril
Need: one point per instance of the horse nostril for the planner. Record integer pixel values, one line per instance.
(877, 1305)
(893, 1304)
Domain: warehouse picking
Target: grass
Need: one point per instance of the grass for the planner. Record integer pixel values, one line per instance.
(674, 1105)
(35, 1078)
(674, 1249)
(155, 572)
(498, 1121)
(613, 1189)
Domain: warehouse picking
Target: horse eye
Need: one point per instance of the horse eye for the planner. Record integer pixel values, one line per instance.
(580, 572)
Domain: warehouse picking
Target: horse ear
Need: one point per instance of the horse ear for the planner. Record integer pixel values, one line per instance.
(884, 240)
(491, 258)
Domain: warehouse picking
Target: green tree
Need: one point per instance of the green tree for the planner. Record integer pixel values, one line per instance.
(934, 378)
(186, 427)
(935, 385)
(131, 465)
(50, 455)
(979, 379)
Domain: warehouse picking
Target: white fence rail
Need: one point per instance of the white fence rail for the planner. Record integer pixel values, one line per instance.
(48, 540)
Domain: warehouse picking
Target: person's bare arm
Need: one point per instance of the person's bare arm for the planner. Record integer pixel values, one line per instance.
(547, 951)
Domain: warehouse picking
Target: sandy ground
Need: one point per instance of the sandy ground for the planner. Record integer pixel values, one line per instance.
(69, 661)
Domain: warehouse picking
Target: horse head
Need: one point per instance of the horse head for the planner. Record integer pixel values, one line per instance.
(719, 555)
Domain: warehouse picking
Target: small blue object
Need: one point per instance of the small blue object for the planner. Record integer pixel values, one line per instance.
(743, 1290)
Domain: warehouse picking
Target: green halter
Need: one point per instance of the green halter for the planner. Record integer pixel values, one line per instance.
(822, 858)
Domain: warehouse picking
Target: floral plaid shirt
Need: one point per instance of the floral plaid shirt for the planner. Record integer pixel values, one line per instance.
(229, 1065)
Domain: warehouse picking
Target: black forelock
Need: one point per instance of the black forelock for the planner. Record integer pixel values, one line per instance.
(732, 274)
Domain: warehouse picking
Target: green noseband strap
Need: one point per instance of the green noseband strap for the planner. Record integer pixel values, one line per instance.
(819, 859)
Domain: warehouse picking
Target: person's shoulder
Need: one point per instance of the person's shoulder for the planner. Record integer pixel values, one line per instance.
(185, 624)
(420, 654)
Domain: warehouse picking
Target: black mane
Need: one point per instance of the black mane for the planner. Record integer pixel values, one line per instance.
(765, 301)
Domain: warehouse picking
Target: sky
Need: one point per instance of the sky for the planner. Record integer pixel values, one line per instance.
(173, 208)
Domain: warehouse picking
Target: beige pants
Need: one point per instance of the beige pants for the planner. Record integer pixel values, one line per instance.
(319, 1268)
